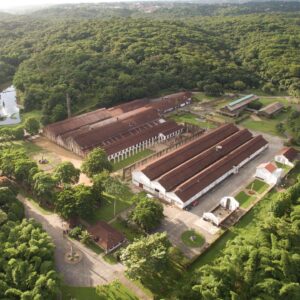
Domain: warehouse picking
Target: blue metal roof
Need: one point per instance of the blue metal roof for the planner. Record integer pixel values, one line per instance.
(235, 102)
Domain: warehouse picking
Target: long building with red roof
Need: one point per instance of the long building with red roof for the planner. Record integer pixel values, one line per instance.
(121, 130)
(184, 175)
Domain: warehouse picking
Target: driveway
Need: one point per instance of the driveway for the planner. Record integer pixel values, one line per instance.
(92, 270)
(177, 221)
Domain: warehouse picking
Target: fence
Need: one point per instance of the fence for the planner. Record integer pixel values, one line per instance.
(128, 170)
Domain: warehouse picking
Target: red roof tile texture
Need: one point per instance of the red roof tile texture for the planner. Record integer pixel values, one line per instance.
(105, 235)
(201, 161)
(173, 159)
(290, 153)
(210, 174)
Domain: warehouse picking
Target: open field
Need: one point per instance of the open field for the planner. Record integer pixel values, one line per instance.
(265, 125)
(190, 119)
(132, 159)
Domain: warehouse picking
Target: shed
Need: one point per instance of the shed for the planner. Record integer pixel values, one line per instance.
(269, 173)
(271, 109)
(287, 156)
(106, 236)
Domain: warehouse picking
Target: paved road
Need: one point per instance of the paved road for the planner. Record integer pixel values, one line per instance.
(92, 270)
(177, 220)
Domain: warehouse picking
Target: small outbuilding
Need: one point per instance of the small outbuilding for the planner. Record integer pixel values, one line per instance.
(287, 156)
(106, 236)
(271, 110)
(269, 173)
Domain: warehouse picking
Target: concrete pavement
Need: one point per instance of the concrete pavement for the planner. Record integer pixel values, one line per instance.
(92, 270)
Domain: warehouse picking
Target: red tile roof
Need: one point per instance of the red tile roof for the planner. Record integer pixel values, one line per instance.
(270, 167)
(173, 159)
(203, 179)
(272, 108)
(105, 236)
(290, 153)
(201, 161)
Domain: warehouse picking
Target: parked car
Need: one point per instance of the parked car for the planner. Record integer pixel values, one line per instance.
(195, 203)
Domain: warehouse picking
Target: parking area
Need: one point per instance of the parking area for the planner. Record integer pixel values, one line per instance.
(177, 221)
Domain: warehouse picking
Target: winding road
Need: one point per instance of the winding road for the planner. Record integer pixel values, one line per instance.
(92, 270)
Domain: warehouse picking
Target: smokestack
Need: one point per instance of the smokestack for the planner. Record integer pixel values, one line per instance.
(69, 105)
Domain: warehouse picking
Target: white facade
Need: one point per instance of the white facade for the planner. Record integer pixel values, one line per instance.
(283, 160)
(155, 188)
(271, 177)
(229, 203)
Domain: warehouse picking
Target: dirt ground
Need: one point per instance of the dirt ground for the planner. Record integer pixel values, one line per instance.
(61, 154)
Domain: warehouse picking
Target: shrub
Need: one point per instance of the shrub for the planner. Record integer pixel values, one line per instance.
(76, 232)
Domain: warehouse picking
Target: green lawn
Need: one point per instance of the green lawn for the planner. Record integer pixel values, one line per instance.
(192, 239)
(282, 166)
(110, 204)
(244, 199)
(129, 232)
(112, 292)
(265, 125)
(94, 247)
(257, 186)
(132, 159)
(190, 119)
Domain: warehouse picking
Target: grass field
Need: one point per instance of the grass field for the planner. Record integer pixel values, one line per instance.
(110, 205)
(132, 159)
(111, 292)
(192, 239)
(191, 119)
(244, 199)
(265, 125)
(257, 186)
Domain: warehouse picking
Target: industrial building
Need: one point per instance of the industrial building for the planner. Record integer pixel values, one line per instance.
(234, 108)
(184, 175)
(121, 130)
(271, 110)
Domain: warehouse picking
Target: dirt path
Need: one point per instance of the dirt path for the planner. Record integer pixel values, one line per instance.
(63, 155)
(92, 270)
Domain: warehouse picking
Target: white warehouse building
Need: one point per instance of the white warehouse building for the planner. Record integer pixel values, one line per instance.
(184, 175)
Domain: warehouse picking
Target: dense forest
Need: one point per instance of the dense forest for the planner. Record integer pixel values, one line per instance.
(26, 252)
(101, 61)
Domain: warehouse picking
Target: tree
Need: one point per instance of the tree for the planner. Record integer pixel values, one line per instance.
(214, 89)
(77, 201)
(146, 257)
(65, 203)
(96, 162)
(66, 173)
(44, 186)
(32, 126)
(99, 184)
(147, 214)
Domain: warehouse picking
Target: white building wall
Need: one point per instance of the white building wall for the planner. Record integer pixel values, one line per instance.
(171, 197)
(283, 160)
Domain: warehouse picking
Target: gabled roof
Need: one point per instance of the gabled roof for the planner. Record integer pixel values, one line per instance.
(198, 163)
(173, 159)
(239, 103)
(272, 108)
(105, 235)
(290, 153)
(203, 179)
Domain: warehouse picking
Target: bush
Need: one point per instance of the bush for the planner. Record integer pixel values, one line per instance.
(257, 105)
(76, 232)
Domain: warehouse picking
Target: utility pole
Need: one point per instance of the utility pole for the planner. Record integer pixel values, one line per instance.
(69, 105)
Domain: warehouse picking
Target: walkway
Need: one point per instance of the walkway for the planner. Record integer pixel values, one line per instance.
(92, 270)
